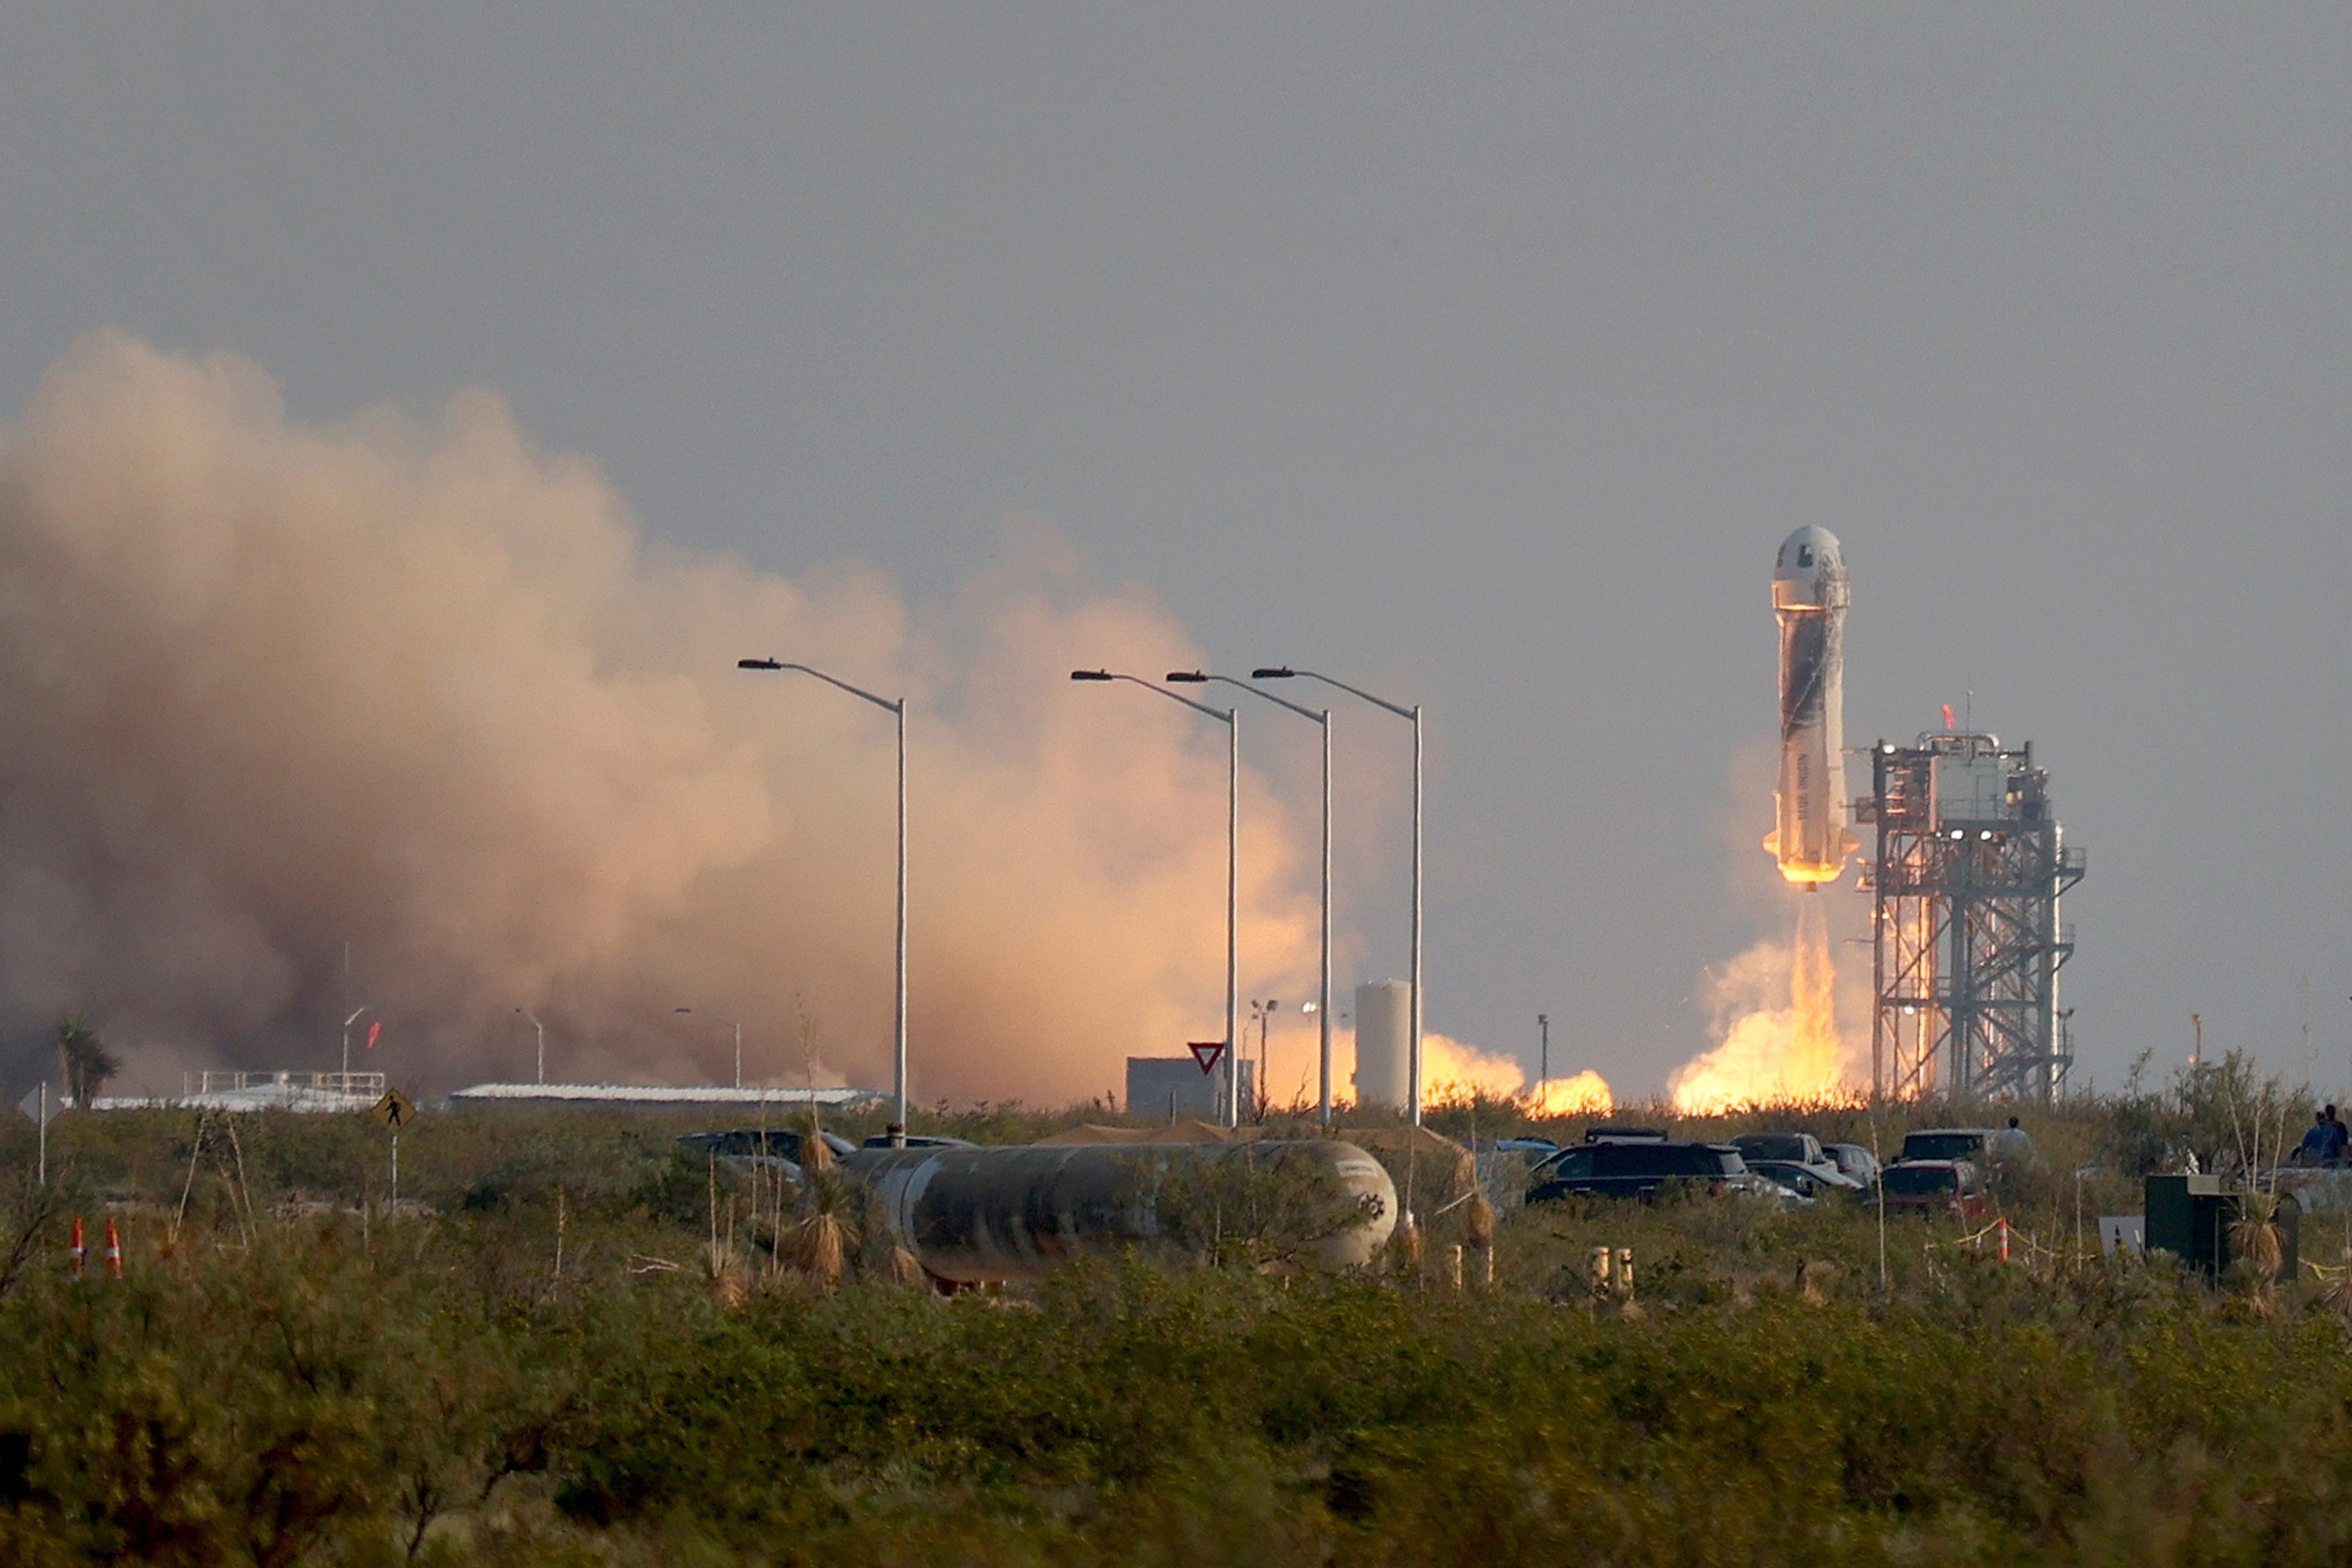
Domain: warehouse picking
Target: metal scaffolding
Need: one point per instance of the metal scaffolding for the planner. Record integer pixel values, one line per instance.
(1966, 940)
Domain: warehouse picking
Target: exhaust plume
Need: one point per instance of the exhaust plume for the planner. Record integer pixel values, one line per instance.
(266, 688)
(1776, 1027)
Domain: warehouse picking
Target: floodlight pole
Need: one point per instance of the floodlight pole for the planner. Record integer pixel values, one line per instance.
(1321, 716)
(542, 1041)
(345, 1085)
(896, 707)
(1284, 672)
(1231, 1113)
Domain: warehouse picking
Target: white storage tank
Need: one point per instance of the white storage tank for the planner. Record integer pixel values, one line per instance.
(1383, 1043)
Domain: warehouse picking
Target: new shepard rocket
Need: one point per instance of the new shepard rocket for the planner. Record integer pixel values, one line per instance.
(1808, 597)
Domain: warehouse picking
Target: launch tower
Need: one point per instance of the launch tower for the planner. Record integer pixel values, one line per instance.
(1967, 942)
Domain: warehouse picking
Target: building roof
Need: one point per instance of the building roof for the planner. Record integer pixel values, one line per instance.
(750, 1095)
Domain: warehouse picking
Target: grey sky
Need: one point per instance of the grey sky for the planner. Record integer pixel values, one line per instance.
(1482, 355)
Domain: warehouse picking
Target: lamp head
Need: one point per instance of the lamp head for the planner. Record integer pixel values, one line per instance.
(1188, 677)
(1090, 674)
(757, 664)
(1273, 672)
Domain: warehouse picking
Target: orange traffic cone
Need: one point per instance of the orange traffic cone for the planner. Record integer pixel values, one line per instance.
(113, 1250)
(77, 1252)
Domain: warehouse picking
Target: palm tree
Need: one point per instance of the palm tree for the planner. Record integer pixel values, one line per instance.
(84, 1058)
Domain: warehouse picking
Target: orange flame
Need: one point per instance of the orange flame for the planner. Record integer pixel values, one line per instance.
(1455, 1071)
(1586, 1094)
(1765, 1054)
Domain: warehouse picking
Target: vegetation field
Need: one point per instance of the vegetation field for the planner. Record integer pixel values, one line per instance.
(571, 1341)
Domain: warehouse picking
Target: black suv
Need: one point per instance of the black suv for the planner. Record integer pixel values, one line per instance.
(1636, 1170)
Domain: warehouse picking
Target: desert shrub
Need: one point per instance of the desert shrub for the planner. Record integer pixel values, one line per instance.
(1255, 1204)
(547, 1373)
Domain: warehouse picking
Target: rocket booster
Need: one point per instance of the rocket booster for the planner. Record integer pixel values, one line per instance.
(1810, 838)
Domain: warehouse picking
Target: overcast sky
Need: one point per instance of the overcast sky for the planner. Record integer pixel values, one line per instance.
(1481, 356)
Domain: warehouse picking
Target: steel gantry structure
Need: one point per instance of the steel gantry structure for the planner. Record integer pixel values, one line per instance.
(1967, 941)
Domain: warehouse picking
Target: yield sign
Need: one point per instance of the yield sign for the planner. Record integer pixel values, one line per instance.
(1207, 1052)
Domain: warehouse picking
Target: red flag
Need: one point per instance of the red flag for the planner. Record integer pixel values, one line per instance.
(1948, 715)
(374, 1030)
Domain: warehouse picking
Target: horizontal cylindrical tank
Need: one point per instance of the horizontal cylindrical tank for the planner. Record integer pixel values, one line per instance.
(1384, 1042)
(983, 1216)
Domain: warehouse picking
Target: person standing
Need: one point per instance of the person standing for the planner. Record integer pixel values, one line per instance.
(2318, 1139)
(2011, 1146)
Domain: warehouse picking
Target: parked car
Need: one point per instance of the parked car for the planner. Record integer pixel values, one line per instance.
(1800, 1149)
(1625, 1135)
(1935, 1186)
(1970, 1143)
(1854, 1160)
(1807, 1181)
(1532, 1150)
(1637, 1170)
(1779, 1190)
(763, 1148)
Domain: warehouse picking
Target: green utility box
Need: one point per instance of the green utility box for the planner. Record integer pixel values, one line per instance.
(2190, 1216)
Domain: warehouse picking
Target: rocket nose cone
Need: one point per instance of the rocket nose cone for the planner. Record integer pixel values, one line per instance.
(1805, 554)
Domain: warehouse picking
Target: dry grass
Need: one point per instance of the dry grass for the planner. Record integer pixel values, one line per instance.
(819, 1247)
(1478, 1221)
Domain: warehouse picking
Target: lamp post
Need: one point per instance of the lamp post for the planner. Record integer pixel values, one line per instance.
(542, 1041)
(344, 1087)
(1321, 716)
(1263, 1013)
(739, 1040)
(1284, 672)
(1232, 720)
(897, 708)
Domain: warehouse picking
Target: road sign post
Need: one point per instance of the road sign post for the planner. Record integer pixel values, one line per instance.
(394, 1110)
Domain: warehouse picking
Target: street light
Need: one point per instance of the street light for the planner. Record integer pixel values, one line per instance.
(897, 708)
(1232, 720)
(1284, 672)
(542, 1041)
(1263, 1011)
(1321, 716)
(739, 1040)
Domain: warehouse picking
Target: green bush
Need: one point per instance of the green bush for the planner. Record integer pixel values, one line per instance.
(549, 1364)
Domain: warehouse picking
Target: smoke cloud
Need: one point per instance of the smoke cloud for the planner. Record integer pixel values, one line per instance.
(267, 688)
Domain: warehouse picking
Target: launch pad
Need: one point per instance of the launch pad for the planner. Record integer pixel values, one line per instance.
(1967, 941)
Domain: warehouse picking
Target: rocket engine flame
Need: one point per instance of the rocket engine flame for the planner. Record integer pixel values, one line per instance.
(1765, 1053)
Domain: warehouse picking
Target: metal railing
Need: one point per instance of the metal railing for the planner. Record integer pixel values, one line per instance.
(215, 1081)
